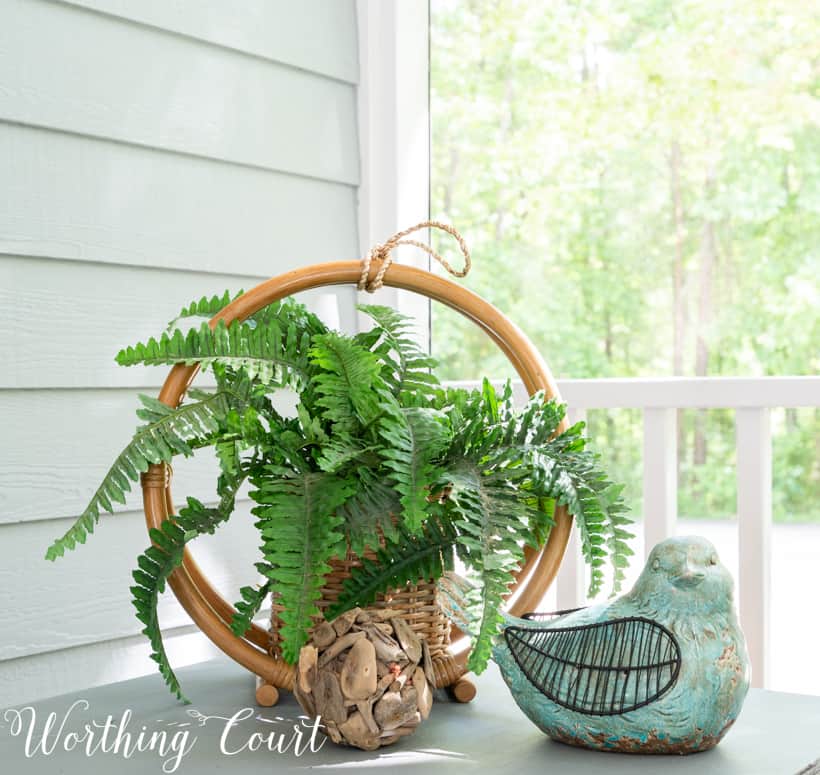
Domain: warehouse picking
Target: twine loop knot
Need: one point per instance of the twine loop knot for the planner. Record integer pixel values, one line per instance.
(383, 254)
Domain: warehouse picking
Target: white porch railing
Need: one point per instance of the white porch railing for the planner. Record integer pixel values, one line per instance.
(659, 399)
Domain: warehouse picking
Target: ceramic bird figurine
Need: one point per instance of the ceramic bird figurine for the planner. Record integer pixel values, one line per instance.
(662, 669)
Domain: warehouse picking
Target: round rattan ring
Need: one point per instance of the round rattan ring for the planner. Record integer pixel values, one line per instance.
(202, 602)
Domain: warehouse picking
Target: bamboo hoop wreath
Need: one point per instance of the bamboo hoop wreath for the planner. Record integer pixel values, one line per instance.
(206, 607)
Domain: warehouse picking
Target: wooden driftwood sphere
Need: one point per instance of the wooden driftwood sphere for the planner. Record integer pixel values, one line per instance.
(368, 676)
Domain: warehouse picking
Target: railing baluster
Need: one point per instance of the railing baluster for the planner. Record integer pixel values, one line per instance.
(754, 515)
(569, 585)
(660, 477)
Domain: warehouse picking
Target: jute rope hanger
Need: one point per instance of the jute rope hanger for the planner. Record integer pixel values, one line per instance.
(383, 253)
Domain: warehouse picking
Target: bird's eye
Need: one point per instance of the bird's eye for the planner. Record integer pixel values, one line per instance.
(713, 560)
(656, 564)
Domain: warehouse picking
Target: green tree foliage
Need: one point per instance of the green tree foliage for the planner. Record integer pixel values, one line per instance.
(640, 183)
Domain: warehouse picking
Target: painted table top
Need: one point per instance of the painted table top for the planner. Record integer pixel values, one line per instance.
(776, 733)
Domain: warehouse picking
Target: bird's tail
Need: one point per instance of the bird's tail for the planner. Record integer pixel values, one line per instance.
(517, 621)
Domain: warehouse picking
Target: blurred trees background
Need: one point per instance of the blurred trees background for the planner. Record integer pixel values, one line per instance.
(639, 181)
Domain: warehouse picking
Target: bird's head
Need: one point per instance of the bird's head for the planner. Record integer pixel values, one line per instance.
(686, 568)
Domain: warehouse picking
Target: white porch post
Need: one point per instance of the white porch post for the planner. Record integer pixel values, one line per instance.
(660, 480)
(754, 515)
(570, 589)
(394, 140)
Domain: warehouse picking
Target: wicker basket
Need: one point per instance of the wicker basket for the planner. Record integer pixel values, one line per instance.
(257, 649)
(417, 604)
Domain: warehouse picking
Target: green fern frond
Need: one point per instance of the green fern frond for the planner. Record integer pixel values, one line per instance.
(156, 564)
(227, 454)
(341, 450)
(275, 354)
(408, 367)
(171, 433)
(490, 520)
(289, 312)
(535, 423)
(310, 427)
(344, 381)
(460, 600)
(564, 471)
(301, 532)
(550, 468)
(404, 560)
(205, 307)
(370, 512)
(248, 607)
(241, 429)
(152, 409)
(414, 437)
(474, 419)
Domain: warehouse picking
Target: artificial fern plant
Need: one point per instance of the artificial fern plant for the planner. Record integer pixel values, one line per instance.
(377, 453)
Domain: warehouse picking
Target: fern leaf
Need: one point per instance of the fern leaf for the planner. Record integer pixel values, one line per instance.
(370, 511)
(275, 354)
(474, 419)
(205, 307)
(301, 532)
(289, 312)
(248, 607)
(410, 367)
(490, 520)
(345, 382)
(414, 437)
(157, 563)
(152, 409)
(564, 471)
(310, 427)
(340, 450)
(543, 469)
(457, 597)
(170, 434)
(399, 562)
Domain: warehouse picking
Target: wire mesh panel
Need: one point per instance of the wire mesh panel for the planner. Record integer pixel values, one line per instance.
(599, 669)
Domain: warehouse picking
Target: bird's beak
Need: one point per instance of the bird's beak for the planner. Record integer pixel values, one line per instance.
(689, 578)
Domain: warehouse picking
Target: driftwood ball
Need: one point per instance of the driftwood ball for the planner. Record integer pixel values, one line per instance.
(368, 676)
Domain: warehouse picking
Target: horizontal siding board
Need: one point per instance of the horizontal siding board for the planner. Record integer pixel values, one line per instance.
(70, 197)
(70, 318)
(152, 152)
(171, 93)
(58, 445)
(84, 596)
(315, 35)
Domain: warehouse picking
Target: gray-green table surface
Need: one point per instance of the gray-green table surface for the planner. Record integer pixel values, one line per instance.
(776, 733)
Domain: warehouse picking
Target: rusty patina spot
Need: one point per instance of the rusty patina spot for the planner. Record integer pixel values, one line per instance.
(652, 744)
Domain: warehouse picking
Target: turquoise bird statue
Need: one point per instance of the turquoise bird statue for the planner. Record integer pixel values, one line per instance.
(662, 669)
